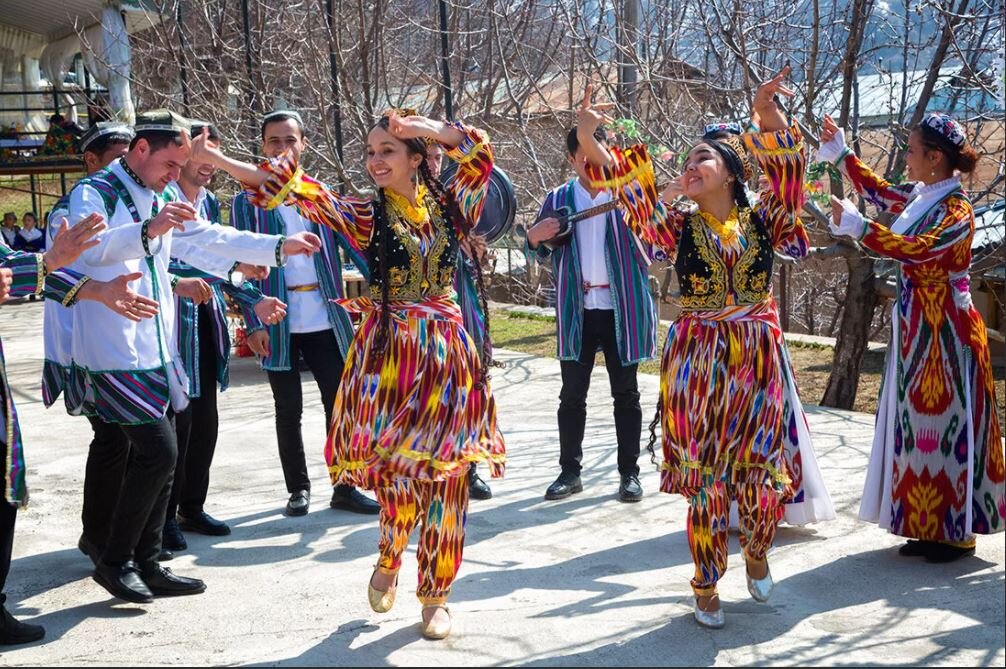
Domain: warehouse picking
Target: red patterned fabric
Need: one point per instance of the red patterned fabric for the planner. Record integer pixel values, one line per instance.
(440, 509)
(945, 438)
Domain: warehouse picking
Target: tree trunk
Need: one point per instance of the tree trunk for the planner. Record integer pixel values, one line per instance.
(853, 334)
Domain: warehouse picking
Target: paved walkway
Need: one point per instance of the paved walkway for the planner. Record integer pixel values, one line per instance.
(587, 581)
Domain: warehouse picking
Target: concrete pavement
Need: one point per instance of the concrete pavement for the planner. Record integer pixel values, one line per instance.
(586, 581)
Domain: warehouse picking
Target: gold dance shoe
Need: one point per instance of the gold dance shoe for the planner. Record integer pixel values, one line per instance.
(436, 628)
(381, 602)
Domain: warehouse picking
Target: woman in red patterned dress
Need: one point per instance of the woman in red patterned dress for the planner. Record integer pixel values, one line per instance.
(722, 398)
(414, 408)
(936, 471)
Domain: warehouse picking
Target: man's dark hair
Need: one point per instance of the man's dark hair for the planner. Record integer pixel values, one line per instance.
(572, 143)
(276, 117)
(157, 139)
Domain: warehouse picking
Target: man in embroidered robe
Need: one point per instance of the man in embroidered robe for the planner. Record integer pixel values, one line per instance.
(34, 274)
(603, 303)
(132, 376)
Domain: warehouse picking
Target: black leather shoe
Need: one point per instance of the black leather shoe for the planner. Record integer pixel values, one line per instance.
(941, 553)
(563, 487)
(88, 548)
(630, 490)
(203, 523)
(298, 504)
(163, 583)
(477, 488)
(172, 538)
(916, 548)
(165, 555)
(14, 632)
(123, 581)
(349, 498)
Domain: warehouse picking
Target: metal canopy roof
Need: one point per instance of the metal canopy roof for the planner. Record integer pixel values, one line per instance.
(26, 26)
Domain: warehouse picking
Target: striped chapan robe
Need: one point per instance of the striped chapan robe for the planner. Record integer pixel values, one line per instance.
(627, 258)
(130, 373)
(29, 278)
(328, 266)
(246, 295)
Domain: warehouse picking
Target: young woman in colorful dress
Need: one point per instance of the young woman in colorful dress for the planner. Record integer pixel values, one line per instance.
(936, 474)
(722, 398)
(414, 408)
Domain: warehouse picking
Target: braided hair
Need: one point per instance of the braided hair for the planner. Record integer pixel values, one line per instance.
(739, 195)
(456, 221)
(452, 215)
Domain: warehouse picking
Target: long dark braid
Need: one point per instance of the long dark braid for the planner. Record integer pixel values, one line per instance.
(653, 432)
(382, 231)
(455, 219)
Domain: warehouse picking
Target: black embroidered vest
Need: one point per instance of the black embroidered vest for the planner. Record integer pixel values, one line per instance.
(413, 275)
(705, 280)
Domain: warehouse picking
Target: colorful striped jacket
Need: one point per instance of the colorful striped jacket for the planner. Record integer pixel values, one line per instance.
(187, 312)
(29, 278)
(327, 264)
(627, 259)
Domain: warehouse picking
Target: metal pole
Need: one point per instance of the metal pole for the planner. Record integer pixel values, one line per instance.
(627, 57)
(333, 65)
(445, 65)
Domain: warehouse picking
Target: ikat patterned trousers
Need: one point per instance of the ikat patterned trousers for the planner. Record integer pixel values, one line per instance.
(760, 509)
(440, 508)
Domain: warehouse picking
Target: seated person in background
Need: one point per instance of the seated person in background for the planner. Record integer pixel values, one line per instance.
(29, 237)
(9, 229)
(61, 138)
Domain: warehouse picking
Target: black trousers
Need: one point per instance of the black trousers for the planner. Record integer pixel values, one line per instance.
(598, 328)
(106, 465)
(138, 521)
(8, 514)
(197, 428)
(321, 353)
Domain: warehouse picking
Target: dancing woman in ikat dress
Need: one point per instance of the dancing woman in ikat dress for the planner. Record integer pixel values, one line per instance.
(722, 395)
(936, 471)
(414, 408)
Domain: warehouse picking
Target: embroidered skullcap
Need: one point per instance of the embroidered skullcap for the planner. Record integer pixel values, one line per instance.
(712, 129)
(945, 127)
(110, 130)
(160, 120)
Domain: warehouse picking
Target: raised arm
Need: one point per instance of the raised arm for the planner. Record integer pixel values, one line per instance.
(628, 175)
(782, 159)
(282, 181)
(868, 184)
(468, 147)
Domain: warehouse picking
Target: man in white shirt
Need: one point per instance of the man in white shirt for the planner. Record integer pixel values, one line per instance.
(129, 374)
(603, 303)
(315, 328)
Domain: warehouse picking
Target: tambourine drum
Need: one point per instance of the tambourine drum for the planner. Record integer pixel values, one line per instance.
(501, 203)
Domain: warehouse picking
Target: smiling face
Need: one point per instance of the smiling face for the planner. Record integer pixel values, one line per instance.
(197, 174)
(282, 135)
(157, 167)
(704, 173)
(921, 161)
(390, 162)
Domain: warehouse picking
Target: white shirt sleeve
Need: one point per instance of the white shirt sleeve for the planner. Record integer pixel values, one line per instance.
(200, 258)
(234, 245)
(115, 244)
